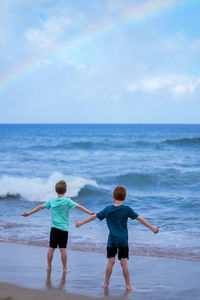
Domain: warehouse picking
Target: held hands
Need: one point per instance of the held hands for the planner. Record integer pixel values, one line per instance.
(156, 229)
(89, 219)
(91, 213)
(78, 223)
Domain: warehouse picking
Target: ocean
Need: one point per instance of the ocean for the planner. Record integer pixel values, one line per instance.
(158, 164)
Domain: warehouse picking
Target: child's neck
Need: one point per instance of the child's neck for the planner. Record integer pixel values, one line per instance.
(60, 195)
(117, 202)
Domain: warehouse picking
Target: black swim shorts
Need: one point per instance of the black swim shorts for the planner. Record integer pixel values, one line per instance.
(58, 238)
(122, 252)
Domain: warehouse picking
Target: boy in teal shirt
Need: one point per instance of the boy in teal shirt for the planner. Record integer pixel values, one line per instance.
(60, 207)
(116, 216)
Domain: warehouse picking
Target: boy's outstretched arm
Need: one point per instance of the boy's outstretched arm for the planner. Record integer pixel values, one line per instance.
(145, 223)
(89, 219)
(84, 209)
(38, 208)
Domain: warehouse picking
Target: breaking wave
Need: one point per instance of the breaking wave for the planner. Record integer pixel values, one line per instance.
(40, 189)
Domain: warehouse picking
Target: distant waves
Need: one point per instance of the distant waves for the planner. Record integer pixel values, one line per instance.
(114, 144)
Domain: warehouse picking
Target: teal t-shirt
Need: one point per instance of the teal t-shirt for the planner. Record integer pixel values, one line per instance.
(60, 211)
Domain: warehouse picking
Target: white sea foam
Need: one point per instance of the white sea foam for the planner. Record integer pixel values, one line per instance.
(41, 189)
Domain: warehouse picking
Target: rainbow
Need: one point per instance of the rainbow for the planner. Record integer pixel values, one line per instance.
(131, 13)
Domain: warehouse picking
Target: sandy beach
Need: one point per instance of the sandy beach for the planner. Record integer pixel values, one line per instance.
(19, 293)
(23, 272)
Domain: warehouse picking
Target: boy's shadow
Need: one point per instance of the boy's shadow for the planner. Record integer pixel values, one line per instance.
(62, 281)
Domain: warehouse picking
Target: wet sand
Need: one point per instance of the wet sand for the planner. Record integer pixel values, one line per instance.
(153, 278)
(19, 293)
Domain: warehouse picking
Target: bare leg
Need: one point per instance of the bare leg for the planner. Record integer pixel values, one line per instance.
(124, 264)
(50, 257)
(63, 252)
(110, 264)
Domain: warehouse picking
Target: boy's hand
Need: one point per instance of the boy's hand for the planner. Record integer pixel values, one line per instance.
(92, 213)
(78, 223)
(25, 214)
(156, 229)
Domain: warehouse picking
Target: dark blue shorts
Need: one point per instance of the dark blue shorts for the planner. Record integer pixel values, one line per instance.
(121, 251)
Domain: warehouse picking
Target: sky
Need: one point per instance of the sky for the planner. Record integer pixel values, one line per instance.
(99, 61)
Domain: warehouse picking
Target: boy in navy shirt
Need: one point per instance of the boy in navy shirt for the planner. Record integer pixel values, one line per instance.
(116, 217)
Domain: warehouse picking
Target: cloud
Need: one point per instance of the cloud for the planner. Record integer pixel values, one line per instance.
(128, 8)
(50, 28)
(49, 34)
(177, 85)
(181, 47)
(63, 62)
(95, 18)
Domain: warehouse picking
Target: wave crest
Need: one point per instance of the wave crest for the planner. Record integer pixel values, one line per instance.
(184, 142)
(168, 177)
(41, 189)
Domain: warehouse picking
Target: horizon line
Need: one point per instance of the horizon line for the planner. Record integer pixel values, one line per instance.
(100, 123)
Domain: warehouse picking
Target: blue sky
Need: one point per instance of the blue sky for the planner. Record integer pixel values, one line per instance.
(114, 61)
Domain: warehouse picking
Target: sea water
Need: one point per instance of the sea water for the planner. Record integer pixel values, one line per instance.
(158, 164)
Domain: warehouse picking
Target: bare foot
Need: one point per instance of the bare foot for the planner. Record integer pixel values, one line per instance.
(129, 287)
(105, 285)
(66, 270)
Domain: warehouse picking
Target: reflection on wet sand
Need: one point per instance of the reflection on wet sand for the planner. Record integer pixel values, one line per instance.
(62, 284)
(126, 293)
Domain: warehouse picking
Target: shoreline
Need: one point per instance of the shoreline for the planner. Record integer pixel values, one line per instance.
(135, 250)
(24, 267)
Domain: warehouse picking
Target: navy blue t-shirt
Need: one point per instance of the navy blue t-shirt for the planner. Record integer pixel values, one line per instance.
(117, 218)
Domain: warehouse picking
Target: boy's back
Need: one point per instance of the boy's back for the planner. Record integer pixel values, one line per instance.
(117, 218)
(60, 207)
